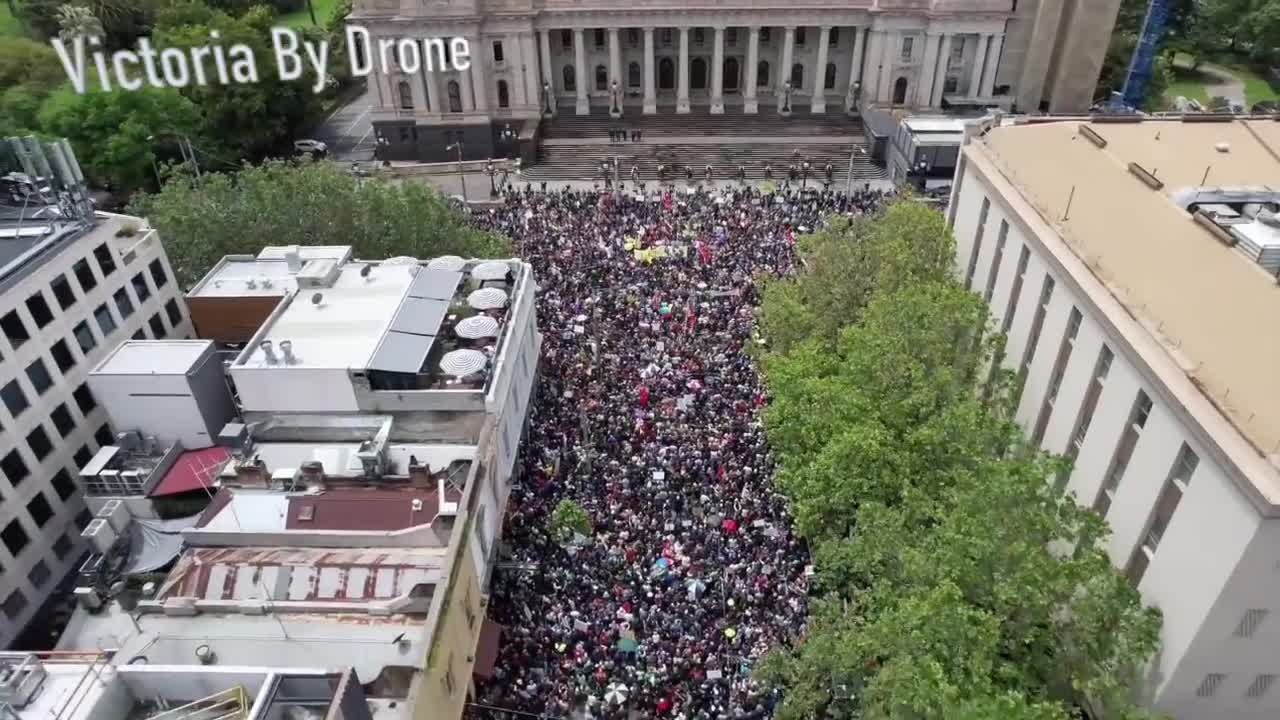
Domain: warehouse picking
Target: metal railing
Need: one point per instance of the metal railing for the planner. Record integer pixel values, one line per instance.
(230, 704)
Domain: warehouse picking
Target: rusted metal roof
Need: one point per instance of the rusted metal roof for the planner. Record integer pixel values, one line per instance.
(364, 509)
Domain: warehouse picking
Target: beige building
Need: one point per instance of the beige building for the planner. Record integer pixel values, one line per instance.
(1134, 268)
(532, 58)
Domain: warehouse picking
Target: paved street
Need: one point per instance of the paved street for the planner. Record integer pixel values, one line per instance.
(348, 131)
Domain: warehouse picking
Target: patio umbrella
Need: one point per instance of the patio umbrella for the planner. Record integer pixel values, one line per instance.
(492, 270)
(615, 694)
(476, 326)
(447, 262)
(628, 645)
(487, 299)
(696, 587)
(463, 362)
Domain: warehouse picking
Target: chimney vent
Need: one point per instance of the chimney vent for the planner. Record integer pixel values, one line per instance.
(286, 348)
(269, 352)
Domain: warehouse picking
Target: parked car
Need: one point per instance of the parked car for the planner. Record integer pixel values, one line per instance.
(314, 148)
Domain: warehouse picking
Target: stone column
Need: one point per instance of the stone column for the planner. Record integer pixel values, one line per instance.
(944, 59)
(717, 73)
(548, 72)
(650, 92)
(436, 102)
(855, 65)
(529, 69)
(682, 93)
(992, 65)
(580, 72)
(615, 61)
(514, 60)
(871, 68)
(480, 78)
(889, 53)
(819, 102)
(466, 84)
(975, 73)
(784, 72)
(924, 91)
(749, 105)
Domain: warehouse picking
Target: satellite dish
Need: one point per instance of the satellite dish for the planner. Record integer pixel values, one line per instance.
(317, 298)
(364, 271)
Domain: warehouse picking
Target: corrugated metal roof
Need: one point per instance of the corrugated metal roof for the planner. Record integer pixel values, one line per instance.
(364, 509)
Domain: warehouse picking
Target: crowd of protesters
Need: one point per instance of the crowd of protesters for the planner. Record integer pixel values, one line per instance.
(647, 416)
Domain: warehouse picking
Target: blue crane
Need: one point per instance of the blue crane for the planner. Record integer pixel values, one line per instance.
(1144, 55)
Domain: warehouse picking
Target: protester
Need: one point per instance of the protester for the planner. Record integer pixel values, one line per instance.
(647, 416)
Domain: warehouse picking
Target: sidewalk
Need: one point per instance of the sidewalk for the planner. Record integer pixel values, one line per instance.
(714, 140)
(478, 185)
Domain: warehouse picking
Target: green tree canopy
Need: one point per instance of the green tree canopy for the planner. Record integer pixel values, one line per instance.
(287, 203)
(29, 71)
(569, 518)
(956, 581)
(114, 133)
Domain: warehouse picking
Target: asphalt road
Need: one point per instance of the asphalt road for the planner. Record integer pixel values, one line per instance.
(349, 131)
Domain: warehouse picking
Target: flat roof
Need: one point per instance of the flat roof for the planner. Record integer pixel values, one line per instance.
(246, 276)
(936, 124)
(306, 252)
(153, 357)
(1211, 308)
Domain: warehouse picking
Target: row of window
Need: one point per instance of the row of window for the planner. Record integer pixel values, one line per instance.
(12, 465)
(666, 35)
(16, 601)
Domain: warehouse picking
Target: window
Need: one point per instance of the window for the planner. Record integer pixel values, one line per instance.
(1055, 377)
(977, 242)
(84, 337)
(15, 537)
(497, 51)
(82, 456)
(504, 95)
(123, 304)
(633, 37)
(455, 96)
(1260, 685)
(1024, 257)
(103, 436)
(14, 398)
(797, 76)
(957, 53)
(602, 78)
(764, 35)
(995, 261)
(762, 74)
(63, 484)
(633, 74)
(731, 36)
(82, 519)
(106, 323)
(699, 36)
(139, 335)
(799, 36)
(84, 274)
(570, 82)
(39, 574)
(666, 36)
(1124, 451)
(157, 327)
(84, 399)
(39, 510)
(62, 356)
(833, 37)
(13, 328)
(140, 287)
(599, 37)
(449, 684)
(62, 546)
(829, 77)
(62, 420)
(171, 309)
(1184, 466)
(39, 376)
(406, 95)
(39, 310)
(907, 44)
(106, 263)
(1029, 354)
(14, 605)
(466, 607)
(14, 468)
(62, 291)
(38, 441)
(566, 39)
(1085, 416)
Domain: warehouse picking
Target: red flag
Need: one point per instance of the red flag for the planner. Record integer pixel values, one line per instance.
(666, 201)
(704, 252)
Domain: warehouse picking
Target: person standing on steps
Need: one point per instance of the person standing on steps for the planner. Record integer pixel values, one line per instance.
(708, 172)
(768, 171)
(742, 174)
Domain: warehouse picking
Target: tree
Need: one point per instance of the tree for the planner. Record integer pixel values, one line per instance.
(287, 203)
(78, 21)
(955, 580)
(569, 518)
(29, 71)
(114, 133)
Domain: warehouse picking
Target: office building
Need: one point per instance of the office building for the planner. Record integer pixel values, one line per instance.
(1133, 266)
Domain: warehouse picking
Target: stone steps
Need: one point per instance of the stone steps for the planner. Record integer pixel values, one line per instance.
(582, 162)
(666, 122)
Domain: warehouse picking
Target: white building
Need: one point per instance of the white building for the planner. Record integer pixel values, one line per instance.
(69, 293)
(1133, 267)
(530, 57)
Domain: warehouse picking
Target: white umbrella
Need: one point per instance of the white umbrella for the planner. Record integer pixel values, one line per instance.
(463, 362)
(615, 694)
(487, 298)
(492, 270)
(447, 262)
(476, 326)
(400, 260)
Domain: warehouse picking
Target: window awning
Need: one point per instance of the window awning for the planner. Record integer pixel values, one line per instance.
(194, 470)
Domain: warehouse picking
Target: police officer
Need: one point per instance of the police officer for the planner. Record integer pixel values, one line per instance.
(662, 172)
(688, 173)
(828, 171)
(768, 171)
(635, 173)
(742, 173)
(708, 172)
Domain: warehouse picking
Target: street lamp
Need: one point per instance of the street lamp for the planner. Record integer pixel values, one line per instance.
(857, 150)
(804, 174)
(491, 171)
(546, 98)
(615, 110)
(507, 137)
(786, 98)
(855, 96)
(457, 146)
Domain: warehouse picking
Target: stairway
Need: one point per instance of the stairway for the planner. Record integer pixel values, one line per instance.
(582, 162)
(700, 122)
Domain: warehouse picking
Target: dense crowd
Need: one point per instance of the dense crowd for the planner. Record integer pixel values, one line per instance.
(647, 416)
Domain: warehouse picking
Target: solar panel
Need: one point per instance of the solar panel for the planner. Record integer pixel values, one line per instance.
(401, 352)
(435, 284)
(419, 316)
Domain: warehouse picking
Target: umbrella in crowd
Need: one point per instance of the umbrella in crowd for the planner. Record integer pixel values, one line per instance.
(476, 326)
(461, 363)
(487, 298)
(447, 262)
(492, 270)
(647, 416)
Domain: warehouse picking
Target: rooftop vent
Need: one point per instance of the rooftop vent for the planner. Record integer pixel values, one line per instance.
(268, 351)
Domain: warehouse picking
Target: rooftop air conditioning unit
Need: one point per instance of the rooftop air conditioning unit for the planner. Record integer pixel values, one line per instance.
(20, 679)
(116, 513)
(101, 534)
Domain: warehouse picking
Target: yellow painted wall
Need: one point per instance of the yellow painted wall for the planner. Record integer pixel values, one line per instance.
(454, 646)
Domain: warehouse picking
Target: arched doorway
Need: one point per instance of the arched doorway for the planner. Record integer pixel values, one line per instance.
(504, 94)
(602, 78)
(900, 91)
(570, 81)
(698, 74)
(731, 74)
(762, 74)
(455, 96)
(797, 76)
(633, 75)
(666, 74)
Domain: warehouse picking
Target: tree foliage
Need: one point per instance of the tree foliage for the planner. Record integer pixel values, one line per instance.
(569, 518)
(956, 581)
(286, 203)
(29, 71)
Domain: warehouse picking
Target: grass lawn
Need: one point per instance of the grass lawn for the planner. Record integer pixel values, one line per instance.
(1187, 83)
(302, 18)
(1256, 89)
(8, 23)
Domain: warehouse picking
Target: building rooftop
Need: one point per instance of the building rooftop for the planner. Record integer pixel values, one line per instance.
(154, 357)
(350, 509)
(1210, 308)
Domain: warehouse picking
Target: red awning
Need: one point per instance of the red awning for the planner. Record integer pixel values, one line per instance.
(487, 650)
(194, 470)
